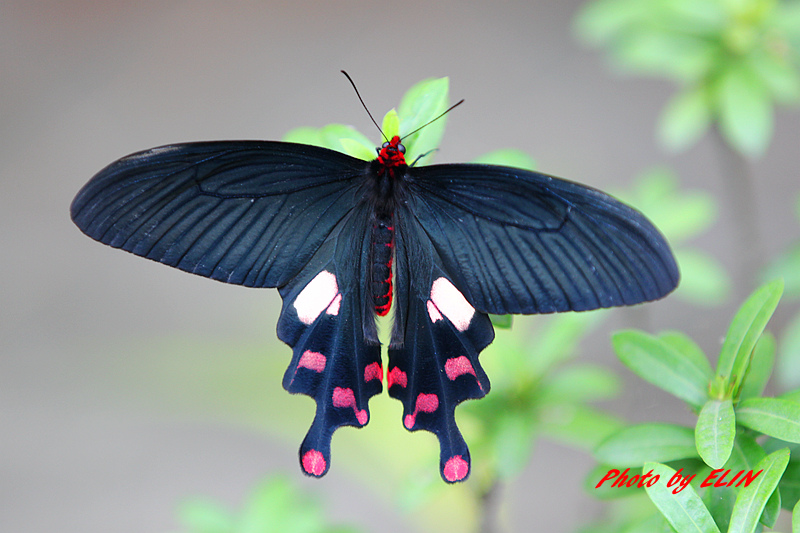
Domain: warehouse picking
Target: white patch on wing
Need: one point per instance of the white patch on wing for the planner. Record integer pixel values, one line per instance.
(316, 297)
(451, 303)
(433, 312)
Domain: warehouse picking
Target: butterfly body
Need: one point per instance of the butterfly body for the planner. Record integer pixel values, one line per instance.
(345, 240)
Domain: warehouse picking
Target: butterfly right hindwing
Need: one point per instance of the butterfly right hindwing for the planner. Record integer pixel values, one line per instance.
(433, 358)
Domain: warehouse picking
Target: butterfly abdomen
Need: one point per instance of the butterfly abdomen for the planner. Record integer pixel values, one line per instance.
(381, 264)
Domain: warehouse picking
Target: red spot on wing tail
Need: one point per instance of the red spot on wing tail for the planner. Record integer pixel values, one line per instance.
(456, 469)
(314, 463)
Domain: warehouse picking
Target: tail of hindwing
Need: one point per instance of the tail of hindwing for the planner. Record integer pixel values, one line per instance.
(436, 367)
(331, 362)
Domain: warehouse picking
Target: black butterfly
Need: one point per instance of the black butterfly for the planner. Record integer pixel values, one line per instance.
(343, 239)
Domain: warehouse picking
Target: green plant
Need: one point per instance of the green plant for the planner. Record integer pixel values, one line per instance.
(274, 505)
(731, 416)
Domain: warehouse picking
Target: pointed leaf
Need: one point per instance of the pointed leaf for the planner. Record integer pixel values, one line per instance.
(771, 416)
(760, 368)
(752, 499)
(422, 103)
(685, 511)
(796, 518)
(744, 331)
(685, 119)
(391, 124)
(715, 431)
(745, 110)
(658, 363)
(772, 509)
(638, 444)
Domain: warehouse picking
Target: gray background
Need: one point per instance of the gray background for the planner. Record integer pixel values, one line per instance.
(103, 356)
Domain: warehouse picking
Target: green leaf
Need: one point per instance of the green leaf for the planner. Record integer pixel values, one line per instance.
(790, 485)
(422, 103)
(771, 416)
(788, 368)
(508, 157)
(715, 431)
(580, 426)
(685, 119)
(512, 445)
(796, 518)
(335, 137)
(760, 368)
(752, 499)
(778, 74)
(584, 383)
(685, 511)
(658, 363)
(787, 266)
(602, 475)
(772, 509)
(704, 280)
(635, 445)
(689, 350)
(745, 110)
(206, 517)
(390, 126)
(745, 329)
(792, 396)
(502, 321)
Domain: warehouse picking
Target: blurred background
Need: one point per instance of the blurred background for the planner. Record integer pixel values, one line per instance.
(127, 387)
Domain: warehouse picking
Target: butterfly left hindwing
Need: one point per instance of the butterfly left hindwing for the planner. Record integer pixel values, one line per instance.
(327, 320)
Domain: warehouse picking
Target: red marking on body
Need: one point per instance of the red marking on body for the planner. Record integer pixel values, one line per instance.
(426, 403)
(396, 377)
(373, 371)
(456, 469)
(343, 397)
(391, 155)
(314, 463)
(313, 361)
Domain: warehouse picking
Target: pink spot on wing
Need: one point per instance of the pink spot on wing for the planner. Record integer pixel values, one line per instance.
(312, 360)
(433, 312)
(456, 469)
(451, 303)
(396, 377)
(333, 309)
(426, 403)
(373, 371)
(318, 295)
(344, 397)
(314, 463)
(458, 366)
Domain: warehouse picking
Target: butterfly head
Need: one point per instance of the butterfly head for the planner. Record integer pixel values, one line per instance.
(392, 153)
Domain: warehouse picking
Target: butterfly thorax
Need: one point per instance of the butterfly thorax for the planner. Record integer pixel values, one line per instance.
(386, 170)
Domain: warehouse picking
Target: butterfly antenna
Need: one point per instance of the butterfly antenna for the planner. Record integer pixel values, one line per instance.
(365, 105)
(434, 120)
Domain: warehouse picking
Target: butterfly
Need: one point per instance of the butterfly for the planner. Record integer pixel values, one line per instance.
(344, 240)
